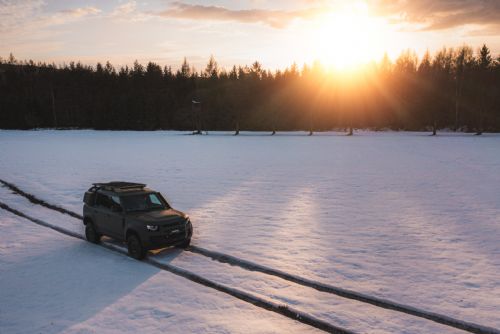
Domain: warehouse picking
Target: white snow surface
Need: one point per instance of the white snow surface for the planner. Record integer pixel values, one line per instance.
(355, 316)
(402, 216)
(52, 283)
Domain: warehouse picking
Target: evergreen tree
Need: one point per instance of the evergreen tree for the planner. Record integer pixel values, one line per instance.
(463, 62)
(185, 70)
(484, 63)
(450, 89)
(212, 69)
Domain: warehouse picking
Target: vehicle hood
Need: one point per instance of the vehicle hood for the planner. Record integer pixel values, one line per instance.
(160, 217)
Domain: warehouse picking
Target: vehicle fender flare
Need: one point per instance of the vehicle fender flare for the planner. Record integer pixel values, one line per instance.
(131, 231)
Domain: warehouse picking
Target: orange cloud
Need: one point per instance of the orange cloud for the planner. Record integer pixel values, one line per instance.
(273, 18)
(441, 14)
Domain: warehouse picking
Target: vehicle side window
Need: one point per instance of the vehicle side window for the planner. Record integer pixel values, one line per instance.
(115, 201)
(108, 202)
(154, 199)
(102, 200)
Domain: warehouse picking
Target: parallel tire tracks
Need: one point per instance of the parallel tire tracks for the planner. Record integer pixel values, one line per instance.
(349, 294)
(244, 296)
(35, 200)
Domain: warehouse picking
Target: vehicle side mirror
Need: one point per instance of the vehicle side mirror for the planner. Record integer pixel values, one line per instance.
(117, 208)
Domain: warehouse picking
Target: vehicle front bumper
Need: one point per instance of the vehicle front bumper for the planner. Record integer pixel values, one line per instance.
(168, 237)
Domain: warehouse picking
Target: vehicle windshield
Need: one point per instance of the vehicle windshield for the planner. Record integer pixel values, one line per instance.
(143, 202)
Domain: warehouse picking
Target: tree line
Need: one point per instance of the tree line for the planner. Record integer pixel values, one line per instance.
(456, 89)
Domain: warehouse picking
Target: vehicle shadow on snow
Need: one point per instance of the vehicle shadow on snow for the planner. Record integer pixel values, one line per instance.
(67, 284)
(165, 255)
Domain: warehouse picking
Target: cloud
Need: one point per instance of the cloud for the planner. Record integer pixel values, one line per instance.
(24, 25)
(80, 12)
(125, 9)
(27, 15)
(273, 18)
(65, 16)
(415, 14)
(15, 13)
(128, 12)
(441, 14)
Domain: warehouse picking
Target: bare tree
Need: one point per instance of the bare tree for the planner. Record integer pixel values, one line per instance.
(196, 112)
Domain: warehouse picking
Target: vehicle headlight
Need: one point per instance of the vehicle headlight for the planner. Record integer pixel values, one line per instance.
(152, 227)
(189, 226)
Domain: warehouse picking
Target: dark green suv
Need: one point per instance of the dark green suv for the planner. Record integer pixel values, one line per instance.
(132, 213)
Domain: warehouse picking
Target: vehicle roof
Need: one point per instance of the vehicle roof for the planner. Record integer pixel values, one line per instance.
(120, 187)
(127, 192)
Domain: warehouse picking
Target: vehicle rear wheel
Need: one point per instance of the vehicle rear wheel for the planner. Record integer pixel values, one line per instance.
(184, 244)
(91, 234)
(135, 248)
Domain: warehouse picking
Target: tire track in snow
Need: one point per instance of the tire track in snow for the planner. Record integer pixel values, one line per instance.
(35, 200)
(239, 294)
(349, 294)
(251, 266)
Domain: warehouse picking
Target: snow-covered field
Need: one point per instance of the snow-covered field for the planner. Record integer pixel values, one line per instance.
(51, 283)
(403, 216)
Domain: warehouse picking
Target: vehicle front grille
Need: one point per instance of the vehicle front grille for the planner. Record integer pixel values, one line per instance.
(168, 238)
(170, 231)
(167, 229)
(168, 235)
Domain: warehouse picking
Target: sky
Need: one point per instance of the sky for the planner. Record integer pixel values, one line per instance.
(275, 33)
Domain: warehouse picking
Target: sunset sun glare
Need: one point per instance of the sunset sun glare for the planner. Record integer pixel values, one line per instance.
(349, 37)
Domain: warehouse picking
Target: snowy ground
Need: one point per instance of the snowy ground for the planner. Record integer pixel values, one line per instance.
(342, 312)
(403, 216)
(51, 283)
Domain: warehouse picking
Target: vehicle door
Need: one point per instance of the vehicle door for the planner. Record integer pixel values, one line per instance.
(109, 215)
(116, 218)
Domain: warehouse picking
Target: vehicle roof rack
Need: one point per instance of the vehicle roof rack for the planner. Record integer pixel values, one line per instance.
(119, 186)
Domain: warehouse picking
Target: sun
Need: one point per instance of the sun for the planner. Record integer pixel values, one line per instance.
(349, 37)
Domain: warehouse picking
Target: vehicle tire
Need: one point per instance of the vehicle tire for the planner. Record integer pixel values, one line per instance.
(135, 248)
(184, 244)
(91, 234)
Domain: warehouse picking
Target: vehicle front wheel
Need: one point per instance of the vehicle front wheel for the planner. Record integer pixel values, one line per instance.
(91, 234)
(184, 244)
(135, 248)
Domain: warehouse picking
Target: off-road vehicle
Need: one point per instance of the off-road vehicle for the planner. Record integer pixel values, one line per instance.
(137, 215)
